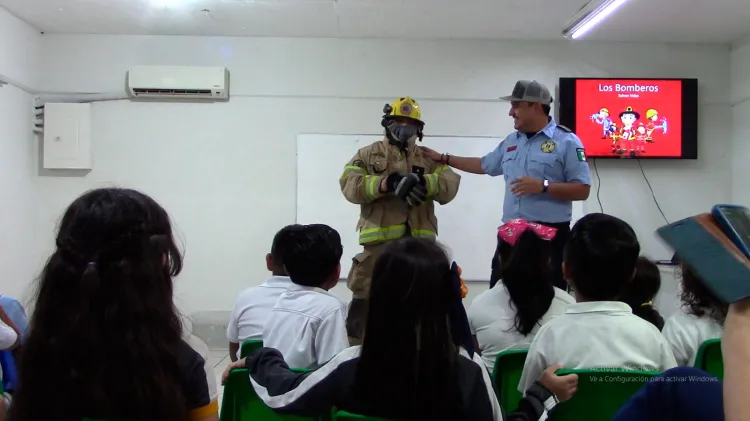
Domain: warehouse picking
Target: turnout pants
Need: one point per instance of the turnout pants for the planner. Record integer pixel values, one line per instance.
(558, 244)
(358, 281)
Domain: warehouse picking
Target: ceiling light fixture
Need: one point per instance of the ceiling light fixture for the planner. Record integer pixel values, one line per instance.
(589, 16)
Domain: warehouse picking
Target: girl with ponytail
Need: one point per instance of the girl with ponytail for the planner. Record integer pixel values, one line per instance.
(642, 290)
(507, 316)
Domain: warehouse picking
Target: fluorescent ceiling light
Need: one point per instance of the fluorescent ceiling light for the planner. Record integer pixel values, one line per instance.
(591, 15)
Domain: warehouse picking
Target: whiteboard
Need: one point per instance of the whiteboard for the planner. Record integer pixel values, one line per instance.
(467, 226)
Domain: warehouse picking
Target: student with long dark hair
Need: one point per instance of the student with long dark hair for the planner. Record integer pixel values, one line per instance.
(700, 318)
(640, 292)
(507, 316)
(413, 363)
(105, 337)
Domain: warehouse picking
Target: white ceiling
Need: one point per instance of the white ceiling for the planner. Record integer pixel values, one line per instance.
(699, 21)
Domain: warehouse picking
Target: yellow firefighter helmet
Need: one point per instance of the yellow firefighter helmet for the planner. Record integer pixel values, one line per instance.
(405, 107)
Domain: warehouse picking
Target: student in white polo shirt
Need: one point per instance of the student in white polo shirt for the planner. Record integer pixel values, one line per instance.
(700, 318)
(308, 324)
(255, 304)
(507, 316)
(598, 331)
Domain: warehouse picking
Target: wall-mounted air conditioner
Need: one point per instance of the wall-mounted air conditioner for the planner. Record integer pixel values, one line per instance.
(173, 82)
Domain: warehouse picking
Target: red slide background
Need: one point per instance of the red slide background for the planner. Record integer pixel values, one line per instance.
(667, 101)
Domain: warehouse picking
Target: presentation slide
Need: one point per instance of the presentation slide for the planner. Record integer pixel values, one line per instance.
(635, 118)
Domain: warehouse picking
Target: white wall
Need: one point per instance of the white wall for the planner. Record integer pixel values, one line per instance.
(740, 100)
(20, 54)
(19, 252)
(227, 171)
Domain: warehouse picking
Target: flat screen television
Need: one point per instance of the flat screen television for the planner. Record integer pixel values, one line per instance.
(632, 118)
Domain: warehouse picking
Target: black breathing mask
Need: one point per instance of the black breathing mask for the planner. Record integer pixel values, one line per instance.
(402, 133)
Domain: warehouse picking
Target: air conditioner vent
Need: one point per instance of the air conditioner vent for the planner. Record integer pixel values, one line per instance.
(183, 82)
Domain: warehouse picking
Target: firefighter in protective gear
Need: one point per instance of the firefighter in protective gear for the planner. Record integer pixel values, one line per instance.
(395, 186)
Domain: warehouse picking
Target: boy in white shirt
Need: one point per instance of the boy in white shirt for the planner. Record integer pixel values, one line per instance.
(255, 304)
(308, 325)
(598, 331)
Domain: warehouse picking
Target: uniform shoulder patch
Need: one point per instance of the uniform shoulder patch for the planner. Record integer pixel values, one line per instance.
(564, 128)
(581, 154)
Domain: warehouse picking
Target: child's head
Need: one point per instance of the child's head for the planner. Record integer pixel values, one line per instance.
(105, 295)
(281, 242)
(699, 300)
(527, 275)
(600, 256)
(411, 282)
(116, 242)
(409, 325)
(313, 255)
(640, 293)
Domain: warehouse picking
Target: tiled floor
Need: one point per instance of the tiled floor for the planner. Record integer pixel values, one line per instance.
(220, 360)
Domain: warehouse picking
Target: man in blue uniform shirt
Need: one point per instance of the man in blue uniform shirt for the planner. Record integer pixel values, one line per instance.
(544, 166)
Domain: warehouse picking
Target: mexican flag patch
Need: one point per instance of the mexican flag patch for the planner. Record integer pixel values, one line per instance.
(581, 154)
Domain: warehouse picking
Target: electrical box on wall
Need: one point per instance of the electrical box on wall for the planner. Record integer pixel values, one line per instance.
(67, 136)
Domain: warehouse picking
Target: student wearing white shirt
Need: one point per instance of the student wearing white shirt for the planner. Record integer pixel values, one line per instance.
(308, 324)
(598, 331)
(415, 320)
(255, 304)
(507, 316)
(701, 317)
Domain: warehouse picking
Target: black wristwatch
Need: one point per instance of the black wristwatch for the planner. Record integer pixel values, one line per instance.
(545, 186)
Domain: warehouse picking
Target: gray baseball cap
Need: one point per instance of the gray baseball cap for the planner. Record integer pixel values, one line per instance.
(529, 91)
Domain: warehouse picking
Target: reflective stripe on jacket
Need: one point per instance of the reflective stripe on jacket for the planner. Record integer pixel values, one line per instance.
(384, 217)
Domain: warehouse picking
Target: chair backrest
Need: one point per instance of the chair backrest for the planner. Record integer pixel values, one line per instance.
(600, 393)
(506, 375)
(346, 416)
(248, 347)
(709, 358)
(241, 403)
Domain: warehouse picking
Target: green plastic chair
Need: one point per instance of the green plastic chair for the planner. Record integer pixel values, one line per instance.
(346, 416)
(506, 375)
(250, 346)
(241, 403)
(709, 358)
(600, 393)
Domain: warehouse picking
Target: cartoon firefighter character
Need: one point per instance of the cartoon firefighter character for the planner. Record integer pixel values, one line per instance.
(602, 118)
(654, 123)
(640, 138)
(627, 131)
(612, 133)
